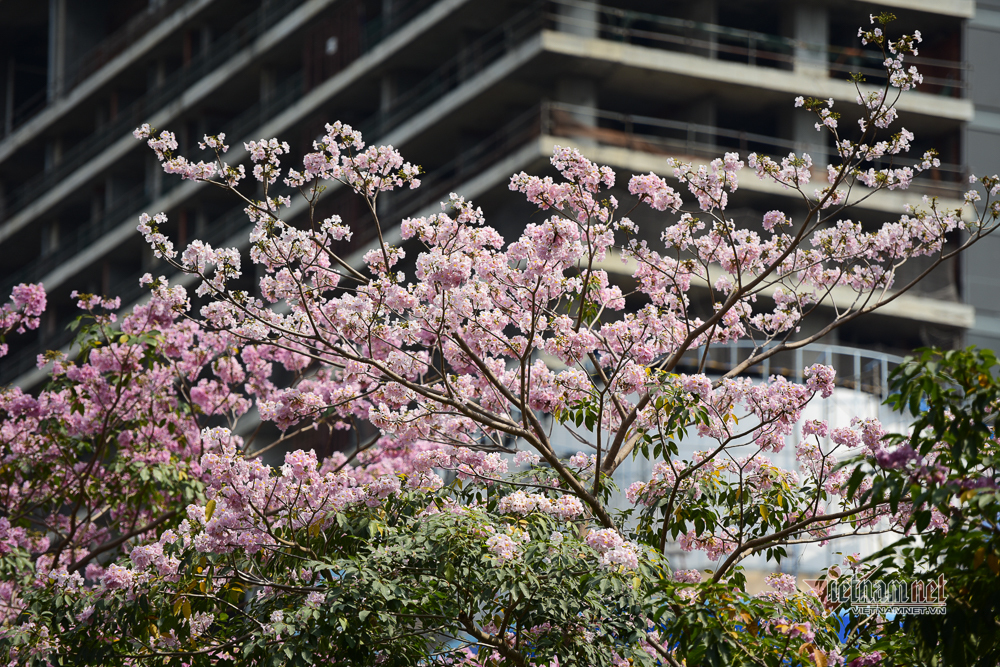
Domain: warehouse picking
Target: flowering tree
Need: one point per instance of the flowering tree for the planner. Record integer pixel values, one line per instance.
(141, 528)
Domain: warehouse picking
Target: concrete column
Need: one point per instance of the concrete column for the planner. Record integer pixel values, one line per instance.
(578, 17)
(808, 140)
(387, 93)
(50, 322)
(268, 85)
(154, 177)
(149, 260)
(50, 238)
(577, 90)
(810, 28)
(578, 122)
(808, 23)
(703, 112)
(57, 48)
(110, 193)
(8, 98)
(105, 278)
(388, 8)
(187, 48)
(97, 207)
(53, 153)
(706, 12)
(268, 82)
(183, 228)
(200, 222)
(205, 40)
(100, 117)
(156, 75)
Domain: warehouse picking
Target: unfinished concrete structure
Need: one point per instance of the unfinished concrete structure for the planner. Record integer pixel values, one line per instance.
(473, 92)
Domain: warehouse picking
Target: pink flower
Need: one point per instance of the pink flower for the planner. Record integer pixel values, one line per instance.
(820, 378)
(654, 191)
(118, 577)
(783, 583)
(688, 576)
(604, 540)
(866, 660)
(505, 548)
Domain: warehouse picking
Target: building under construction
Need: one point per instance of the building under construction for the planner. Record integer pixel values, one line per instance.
(473, 92)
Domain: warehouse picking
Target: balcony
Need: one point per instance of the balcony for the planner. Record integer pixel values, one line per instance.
(942, 77)
(656, 137)
(80, 69)
(427, 102)
(239, 37)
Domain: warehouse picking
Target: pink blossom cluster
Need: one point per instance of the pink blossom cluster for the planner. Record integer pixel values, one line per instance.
(714, 546)
(575, 196)
(687, 576)
(341, 155)
(123, 425)
(867, 660)
(671, 476)
(793, 172)
(564, 507)
(23, 312)
(242, 491)
(614, 551)
(164, 146)
(265, 156)
(820, 379)
(506, 545)
(709, 184)
(783, 583)
(758, 474)
(654, 191)
(215, 142)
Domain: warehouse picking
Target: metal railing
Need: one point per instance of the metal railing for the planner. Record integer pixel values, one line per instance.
(22, 359)
(858, 369)
(80, 68)
(445, 178)
(118, 210)
(25, 111)
(944, 77)
(253, 117)
(661, 136)
(242, 34)
(681, 138)
(468, 62)
(112, 45)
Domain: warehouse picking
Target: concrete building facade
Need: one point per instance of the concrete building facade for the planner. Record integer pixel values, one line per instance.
(473, 92)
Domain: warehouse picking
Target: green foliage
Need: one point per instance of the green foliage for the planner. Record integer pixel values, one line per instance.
(953, 397)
